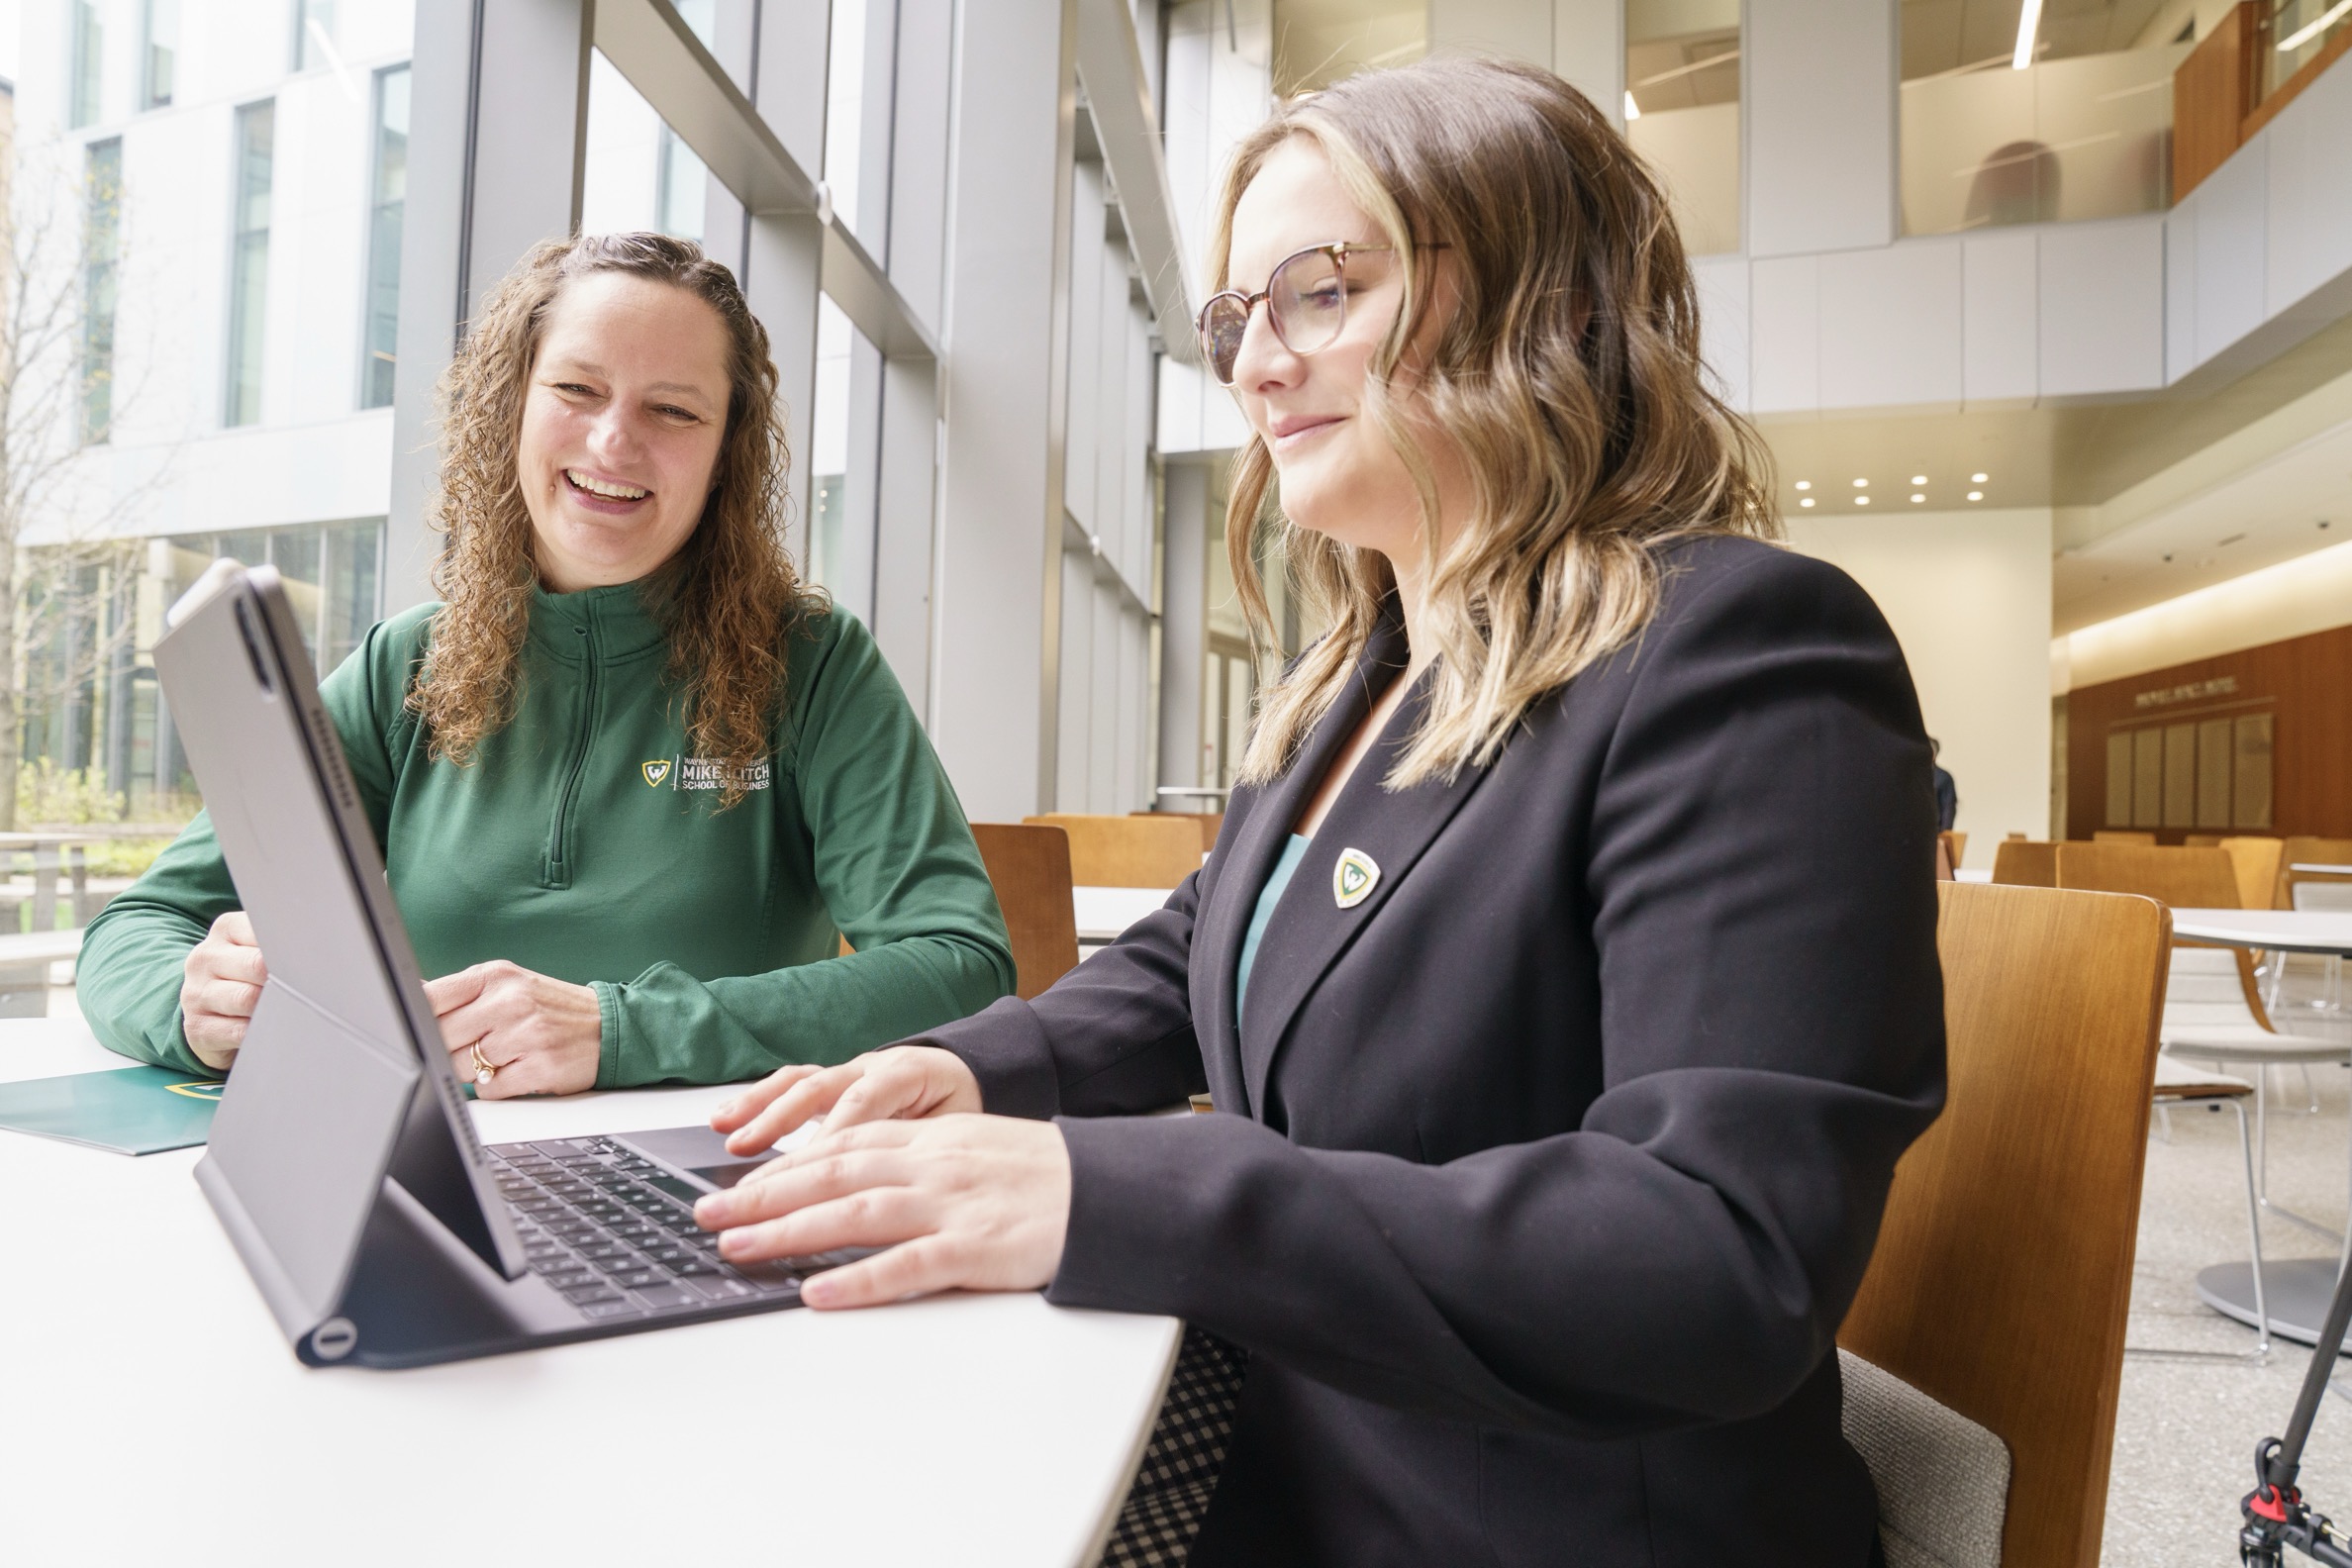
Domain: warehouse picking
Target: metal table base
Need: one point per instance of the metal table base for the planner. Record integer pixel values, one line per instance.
(2298, 1291)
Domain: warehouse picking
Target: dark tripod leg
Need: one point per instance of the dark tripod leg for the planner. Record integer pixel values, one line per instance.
(2276, 1515)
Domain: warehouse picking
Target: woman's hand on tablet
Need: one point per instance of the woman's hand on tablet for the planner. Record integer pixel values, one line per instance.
(222, 985)
(895, 1083)
(961, 1202)
(537, 1036)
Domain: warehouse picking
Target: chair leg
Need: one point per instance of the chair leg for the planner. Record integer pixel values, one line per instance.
(2311, 1092)
(2164, 1121)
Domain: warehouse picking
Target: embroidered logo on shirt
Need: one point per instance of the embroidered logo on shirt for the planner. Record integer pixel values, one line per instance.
(1353, 878)
(705, 773)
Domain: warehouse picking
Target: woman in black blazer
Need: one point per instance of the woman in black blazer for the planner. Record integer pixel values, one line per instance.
(1559, 1087)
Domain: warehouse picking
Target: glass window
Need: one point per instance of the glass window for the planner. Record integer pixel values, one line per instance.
(639, 175)
(158, 51)
(102, 229)
(2072, 120)
(390, 191)
(89, 63)
(2292, 35)
(1681, 111)
(845, 107)
(314, 34)
(1317, 43)
(248, 284)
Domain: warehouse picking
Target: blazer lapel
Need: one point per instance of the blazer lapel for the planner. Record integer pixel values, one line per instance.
(1310, 929)
(1219, 926)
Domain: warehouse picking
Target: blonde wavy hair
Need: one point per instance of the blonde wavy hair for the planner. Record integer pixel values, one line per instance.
(728, 599)
(1568, 378)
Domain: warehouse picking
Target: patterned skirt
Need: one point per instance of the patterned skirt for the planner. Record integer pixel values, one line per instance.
(1164, 1507)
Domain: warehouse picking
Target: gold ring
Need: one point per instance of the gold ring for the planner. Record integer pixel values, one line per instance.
(484, 1068)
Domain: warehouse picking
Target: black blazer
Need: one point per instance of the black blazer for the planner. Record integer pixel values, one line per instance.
(1541, 1178)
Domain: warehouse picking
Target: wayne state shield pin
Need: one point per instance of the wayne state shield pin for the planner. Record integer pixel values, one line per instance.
(655, 772)
(1353, 878)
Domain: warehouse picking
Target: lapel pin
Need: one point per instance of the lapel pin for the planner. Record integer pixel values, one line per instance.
(1353, 878)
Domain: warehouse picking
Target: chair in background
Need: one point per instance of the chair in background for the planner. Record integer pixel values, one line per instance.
(2002, 1272)
(1955, 846)
(2258, 862)
(1211, 823)
(1155, 851)
(1943, 860)
(2018, 862)
(2213, 1009)
(2108, 836)
(1029, 868)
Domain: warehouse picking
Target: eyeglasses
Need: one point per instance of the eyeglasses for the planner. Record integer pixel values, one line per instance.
(1306, 299)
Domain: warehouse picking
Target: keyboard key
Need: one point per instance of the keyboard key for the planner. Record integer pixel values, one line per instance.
(595, 1291)
(611, 1308)
(639, 1279)
(665, 1297)
(715, 1287)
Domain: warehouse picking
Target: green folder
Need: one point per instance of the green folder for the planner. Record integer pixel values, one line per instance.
(125, 1111)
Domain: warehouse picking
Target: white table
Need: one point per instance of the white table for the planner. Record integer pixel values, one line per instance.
(2321, 868)
(2296, 1290)
(152, 1412)
(1104, 912)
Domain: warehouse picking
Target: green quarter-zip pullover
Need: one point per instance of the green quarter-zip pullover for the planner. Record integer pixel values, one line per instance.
(582, 842)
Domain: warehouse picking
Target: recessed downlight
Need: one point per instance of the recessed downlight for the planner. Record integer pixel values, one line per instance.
(1979, 478)
(1804, 484)
(1976, 495)
(1918, 479)
(1918, 496)
(1808, 501)
(1861, 500)
(1861, 484)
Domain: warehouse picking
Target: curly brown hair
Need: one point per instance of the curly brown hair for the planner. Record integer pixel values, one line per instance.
(726, 599)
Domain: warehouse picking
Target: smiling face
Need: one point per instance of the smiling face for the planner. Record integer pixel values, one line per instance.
(621, 427)
(1339, 473)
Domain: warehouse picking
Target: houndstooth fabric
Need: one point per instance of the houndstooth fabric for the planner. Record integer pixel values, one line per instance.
(1164, 1507)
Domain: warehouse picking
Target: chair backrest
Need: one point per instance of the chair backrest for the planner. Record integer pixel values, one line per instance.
(1211, 823)
(2306, 849)
(1157, 850)
(2004, 1264)
(2182, 878)
(1943, 857)
(2258, 862)
(2019, 862)
(1030, 867)
(2111, 837)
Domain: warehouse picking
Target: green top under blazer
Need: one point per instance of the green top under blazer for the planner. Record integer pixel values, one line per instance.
(581, 841)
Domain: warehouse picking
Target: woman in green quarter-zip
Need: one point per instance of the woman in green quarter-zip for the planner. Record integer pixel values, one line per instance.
(633, 781)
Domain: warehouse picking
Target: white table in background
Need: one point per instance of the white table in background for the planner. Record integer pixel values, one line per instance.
(2297, 1290)
(152, 1412)
(1104, 912)
(2315, 868)
(1966, 875)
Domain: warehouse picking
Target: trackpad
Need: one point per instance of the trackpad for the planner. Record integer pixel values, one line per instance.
(699, 1151)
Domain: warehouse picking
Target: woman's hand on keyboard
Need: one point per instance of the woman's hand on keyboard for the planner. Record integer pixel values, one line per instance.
(961, 1203)
(895, 1083)
(220, 985)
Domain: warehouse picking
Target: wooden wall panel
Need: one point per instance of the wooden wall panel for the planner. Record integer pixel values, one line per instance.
(2288, 710)
(2213, 93)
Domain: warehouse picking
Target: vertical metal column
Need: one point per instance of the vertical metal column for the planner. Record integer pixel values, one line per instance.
(1183, 625)
(783, 252)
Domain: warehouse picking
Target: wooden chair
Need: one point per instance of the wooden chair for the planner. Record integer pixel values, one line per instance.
(2019, 862)
(2002, 1271)
(1943, 860)
(1030, 867)
(1155, 851)
(1211, 824)
(2202, 842)
(1955, 846)
(2105, 836)
(2258, 862)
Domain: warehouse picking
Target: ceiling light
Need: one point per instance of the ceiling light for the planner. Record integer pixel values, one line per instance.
(1919, 495)
(1978, 478)
(1861, 484)
(1918, 479)
(2029, 24)
(1808, 501)
(1861, 500)
(2312, 30)
(1804, 484)
(1976, 495)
